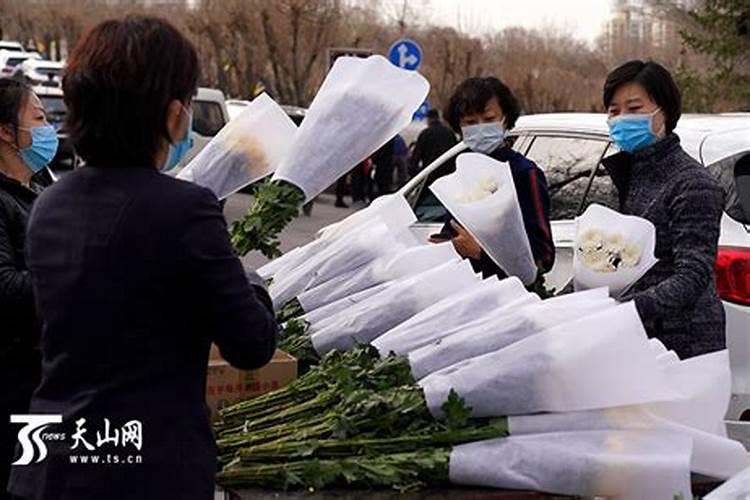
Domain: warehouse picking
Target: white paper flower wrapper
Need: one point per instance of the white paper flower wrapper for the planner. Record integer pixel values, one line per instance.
(281, 266)
(414, 337)
(704, 384)
(390, 207)
(371, 318)
(737, 488)
(362, 104)
(502, 332)
(329, 311)
(635, 230)
(397, 264)
(483, 299)
(356, 249)
(600, 361)
(496, 220)
(247, 149)
(627, 465)
(713, 455)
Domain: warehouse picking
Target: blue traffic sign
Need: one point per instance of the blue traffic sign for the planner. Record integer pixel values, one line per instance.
(406, 54)
(421, 113)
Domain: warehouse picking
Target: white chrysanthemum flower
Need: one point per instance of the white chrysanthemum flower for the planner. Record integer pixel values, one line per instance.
(606, 253)
(487, 186)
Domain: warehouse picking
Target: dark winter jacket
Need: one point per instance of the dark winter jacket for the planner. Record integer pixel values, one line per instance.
(134, 277)
(677, 298)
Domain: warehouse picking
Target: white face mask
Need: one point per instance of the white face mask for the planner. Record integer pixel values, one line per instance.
(483, 137)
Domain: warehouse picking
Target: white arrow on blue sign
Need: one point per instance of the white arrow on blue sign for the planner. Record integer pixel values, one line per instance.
(406, 54)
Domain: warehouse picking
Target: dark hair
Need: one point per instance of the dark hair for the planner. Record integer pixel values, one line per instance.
(658, 83)
(118, 85)
(13, 94)
(472, 96)
(433, 114)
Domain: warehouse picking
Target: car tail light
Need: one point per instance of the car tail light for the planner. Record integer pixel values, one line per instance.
(733, 274)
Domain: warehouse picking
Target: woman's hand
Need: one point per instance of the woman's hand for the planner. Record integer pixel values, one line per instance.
(466, 245)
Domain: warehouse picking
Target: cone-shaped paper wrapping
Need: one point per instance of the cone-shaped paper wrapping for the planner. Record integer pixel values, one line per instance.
(486, 298)
(713, 455)
(391, 207)
(371, 318)
(600, 361)
(705, 385)
(316, 317)
(416, 337)
(501, 333)
(247, 149)
(392, 210)
(493, 217)
(270, 269)
(627, 465)
(737, 488)
(341, 256)
(397, 264)
(634, 230)
(362, 104)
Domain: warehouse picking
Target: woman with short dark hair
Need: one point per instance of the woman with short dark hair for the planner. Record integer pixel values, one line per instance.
(27, 144)
(482, 110)
(657, 180)
(134, 277)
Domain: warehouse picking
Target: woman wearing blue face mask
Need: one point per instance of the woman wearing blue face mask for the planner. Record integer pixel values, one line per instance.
(27, 144)
(657, 180)
(482, 110)
(134, 277)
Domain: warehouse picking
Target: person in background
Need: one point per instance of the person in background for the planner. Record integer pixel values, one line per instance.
(340, 192)
(658, 181)
(482, 110)
(401, 160)
(361, 183)
(432, 142)
(27, 145)
(134, 277)
(383, 161)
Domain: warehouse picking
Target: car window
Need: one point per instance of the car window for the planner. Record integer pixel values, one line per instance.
(208, 118)
(15, 61)
(567, 163)
(728, 171)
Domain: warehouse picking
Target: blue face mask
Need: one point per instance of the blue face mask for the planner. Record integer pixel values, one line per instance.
(483, 137)
(632, 132)
(178, 150)
(43, 147)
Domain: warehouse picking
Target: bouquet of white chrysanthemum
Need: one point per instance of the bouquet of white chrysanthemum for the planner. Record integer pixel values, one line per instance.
(398, 263)
(703, 384)
(371, 318)
(612, 250)
(247, 149)
(482, 197)
(331, 140)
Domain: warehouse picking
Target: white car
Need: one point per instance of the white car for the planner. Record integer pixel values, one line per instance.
(209, 116)
(9, 59)
(569, 148)
(40, 72)
(11, 45)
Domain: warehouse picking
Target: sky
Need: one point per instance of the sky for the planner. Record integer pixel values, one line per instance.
(581, 18)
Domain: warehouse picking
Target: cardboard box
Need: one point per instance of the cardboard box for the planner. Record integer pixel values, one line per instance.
(226, 385)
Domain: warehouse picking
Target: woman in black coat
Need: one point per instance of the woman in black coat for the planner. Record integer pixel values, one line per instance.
(657, 180)
(134, 278)
(27, 144)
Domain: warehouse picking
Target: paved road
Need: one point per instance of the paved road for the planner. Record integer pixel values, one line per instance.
(302, 230)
